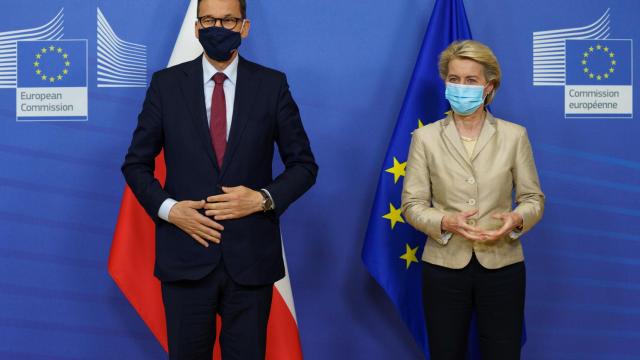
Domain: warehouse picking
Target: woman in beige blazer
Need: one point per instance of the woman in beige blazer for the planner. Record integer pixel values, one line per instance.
(462, 177)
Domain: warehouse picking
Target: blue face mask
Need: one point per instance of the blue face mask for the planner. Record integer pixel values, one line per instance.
(464, 99)
(219, 42)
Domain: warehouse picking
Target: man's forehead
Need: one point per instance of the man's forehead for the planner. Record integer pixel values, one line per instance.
(220, 7)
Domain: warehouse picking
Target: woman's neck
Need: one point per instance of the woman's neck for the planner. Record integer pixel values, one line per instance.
(470, 126)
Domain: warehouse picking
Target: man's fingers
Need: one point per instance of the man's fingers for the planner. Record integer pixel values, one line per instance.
(209, 234)
(230, 189)
(203, 220)
(195, 204)
(199, 239)
(220, 198)
(216, 205)
(218, 212)
(227, 205)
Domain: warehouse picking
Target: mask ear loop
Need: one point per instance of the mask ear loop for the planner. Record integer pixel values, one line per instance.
(242, 26)
(484, 99)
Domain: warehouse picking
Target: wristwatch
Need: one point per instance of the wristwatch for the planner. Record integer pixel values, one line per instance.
(267, 202)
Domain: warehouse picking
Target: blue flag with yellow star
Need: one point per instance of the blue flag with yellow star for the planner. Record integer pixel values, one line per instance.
(52, 63)
(392, 248)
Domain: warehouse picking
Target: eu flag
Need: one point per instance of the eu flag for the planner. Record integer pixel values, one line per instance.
(392, 248)
(602, 62)
(52, 63)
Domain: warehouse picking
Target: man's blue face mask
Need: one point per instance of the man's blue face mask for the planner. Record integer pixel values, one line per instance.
(219, 42)
(464, 99)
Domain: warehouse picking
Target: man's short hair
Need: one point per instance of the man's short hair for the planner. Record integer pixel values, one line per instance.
(243, 8)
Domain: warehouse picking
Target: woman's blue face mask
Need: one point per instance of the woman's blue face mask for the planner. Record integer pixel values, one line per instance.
(465, 99)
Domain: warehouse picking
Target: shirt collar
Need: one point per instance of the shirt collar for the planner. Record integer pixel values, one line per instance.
(231, 71)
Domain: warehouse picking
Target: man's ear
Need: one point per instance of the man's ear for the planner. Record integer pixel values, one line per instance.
(244, 32)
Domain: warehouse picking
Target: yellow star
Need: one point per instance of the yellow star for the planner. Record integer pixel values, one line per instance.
(599, 77)
(598, 46)
(59, 77)
(394, 216)
(38, 71)
(44, 50)
(586, 70)
(36, 64)
(409, 255)
(59, 50)
(591, 49)
(611, 70)
(65, 71)
(51, 79)
(65, 56)
(51, 48)
(611, 54)
(586, 54)
(590, 76)
(606, 76)
(584, 62)
(397, 170)
(44, 77)
(606, 49)
(67, 63)
(613, 62)
(420, 124)
(38, 56)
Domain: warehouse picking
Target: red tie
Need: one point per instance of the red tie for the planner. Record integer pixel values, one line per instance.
(218, 126)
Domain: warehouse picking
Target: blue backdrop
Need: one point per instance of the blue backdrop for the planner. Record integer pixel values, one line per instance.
(348, 65)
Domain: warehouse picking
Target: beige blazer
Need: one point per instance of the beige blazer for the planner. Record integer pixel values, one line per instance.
(441, 178)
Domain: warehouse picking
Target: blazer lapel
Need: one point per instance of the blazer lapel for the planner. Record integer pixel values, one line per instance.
(193, 91)
(487, 132)
(246, 90)
(453, 137)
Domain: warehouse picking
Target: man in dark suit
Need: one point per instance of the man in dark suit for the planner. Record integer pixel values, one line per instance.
(218, 247)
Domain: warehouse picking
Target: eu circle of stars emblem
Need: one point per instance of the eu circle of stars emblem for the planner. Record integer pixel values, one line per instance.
(51, 64)
(605, 65)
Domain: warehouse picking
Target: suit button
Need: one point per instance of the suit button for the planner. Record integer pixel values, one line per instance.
(471, 180)
(471, 202)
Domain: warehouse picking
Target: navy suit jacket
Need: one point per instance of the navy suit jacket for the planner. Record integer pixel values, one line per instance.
(174, 118)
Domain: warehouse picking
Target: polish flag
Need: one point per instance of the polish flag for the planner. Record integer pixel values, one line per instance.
(132, 255)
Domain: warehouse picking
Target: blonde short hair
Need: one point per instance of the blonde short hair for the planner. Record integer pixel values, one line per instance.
(478, 52)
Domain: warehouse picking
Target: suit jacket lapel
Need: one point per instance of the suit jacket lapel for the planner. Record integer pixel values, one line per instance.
(453, 137)
(193, 92)
(246, 90)
(487, 132)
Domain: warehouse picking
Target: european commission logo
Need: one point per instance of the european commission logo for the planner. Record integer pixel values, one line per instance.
(50, 74)
(599, 79)
(52, 80)
(596, 71)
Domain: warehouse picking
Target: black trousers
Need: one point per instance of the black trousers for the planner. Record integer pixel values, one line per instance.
(450, 297)
(191, 307)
